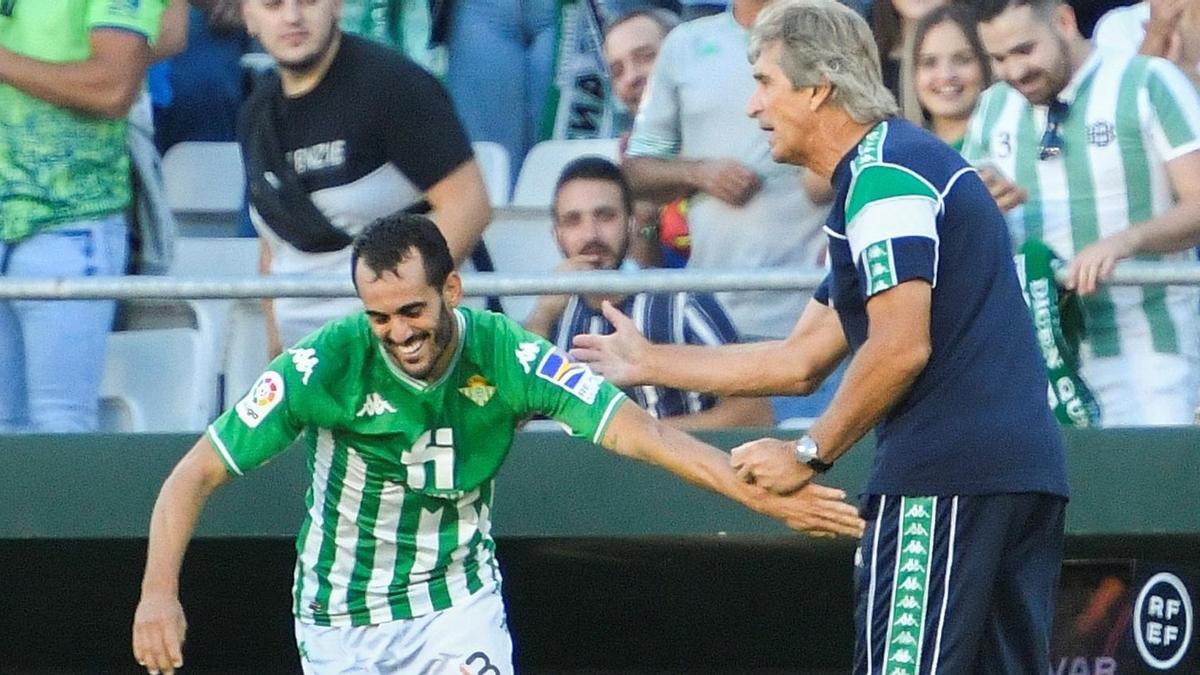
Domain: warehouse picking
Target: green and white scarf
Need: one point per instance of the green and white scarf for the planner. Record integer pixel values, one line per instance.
(1058, 323)
(403, 25)
(579, 104)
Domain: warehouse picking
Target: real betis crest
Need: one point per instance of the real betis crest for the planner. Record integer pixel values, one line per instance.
(478, 391)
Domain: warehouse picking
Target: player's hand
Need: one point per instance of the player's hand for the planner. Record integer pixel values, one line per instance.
(615, 356)
(159, 628)
(1095, 263)
(1008, 195)
(728, 180)
(816, 510)
(770, 464)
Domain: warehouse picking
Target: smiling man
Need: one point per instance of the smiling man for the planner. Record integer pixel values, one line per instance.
(407, 411)
(959, 563)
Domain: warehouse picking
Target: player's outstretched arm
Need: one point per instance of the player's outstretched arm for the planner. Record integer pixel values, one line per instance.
(795, 365)
(158, 624)
(815, 509)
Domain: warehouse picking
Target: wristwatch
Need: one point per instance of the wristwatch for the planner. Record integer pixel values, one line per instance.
(806, 453)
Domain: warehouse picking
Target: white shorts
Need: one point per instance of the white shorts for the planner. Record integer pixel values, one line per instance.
(471, 638)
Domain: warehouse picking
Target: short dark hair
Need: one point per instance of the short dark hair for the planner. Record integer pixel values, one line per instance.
(986, 10)
(387, 242)
(593, 167)
(664, 18)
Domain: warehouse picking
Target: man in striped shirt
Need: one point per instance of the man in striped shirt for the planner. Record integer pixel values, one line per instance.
(407, 411)
(593, 222)
(1105, 149)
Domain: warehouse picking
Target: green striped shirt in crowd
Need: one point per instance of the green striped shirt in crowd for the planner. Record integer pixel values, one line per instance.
(398, 514)
(1128, 116)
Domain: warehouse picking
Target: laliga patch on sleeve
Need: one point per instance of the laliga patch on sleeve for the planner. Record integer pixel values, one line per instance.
(266, 393)
(576, 378)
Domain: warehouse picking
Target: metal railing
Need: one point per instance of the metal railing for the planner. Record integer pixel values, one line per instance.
(493, 283)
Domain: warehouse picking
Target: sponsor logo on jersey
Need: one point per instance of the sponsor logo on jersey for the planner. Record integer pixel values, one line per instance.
(266, 393)
(527, 353)
(478, 390)
(374, 405)
(576, 378)
(304, 360)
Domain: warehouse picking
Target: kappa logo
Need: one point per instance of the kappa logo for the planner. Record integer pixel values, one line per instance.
(917, 511)
(527, 353)
(904, 638)
(266, 393)
(910, 584)
(374, 405)
(915, 547)
(576, 378)
(880, 273)
(305, 361)
(912, 565)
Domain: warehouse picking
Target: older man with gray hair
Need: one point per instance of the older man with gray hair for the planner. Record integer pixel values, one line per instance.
(959, 564)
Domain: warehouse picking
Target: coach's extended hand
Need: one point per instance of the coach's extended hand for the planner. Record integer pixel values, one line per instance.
(158, 631)
(770, 464)
(617, 356)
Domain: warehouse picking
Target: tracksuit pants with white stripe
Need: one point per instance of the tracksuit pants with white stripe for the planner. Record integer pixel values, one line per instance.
(957, 584)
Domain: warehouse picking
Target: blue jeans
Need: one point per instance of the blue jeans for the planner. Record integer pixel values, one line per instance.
(500, 65)
(54, 349)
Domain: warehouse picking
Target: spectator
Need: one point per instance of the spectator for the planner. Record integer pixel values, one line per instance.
(593, 219)
(403, 25)
(1105, 148)
(695, 9)
(894, 22)
(1166, 28)
(348, 132)
(206, 81)
(691, 137)
(631, 45)
(951, 70)
(64, 173)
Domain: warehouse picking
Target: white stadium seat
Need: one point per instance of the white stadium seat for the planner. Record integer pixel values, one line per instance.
(245, 353)
(155, 380)
(539, 172)
(205, 186)
(496, 168)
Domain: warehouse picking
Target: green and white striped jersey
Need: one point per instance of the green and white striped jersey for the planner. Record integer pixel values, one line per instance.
(1127, 117)
(399, 509)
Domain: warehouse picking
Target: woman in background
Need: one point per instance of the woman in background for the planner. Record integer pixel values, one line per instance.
(950, 70)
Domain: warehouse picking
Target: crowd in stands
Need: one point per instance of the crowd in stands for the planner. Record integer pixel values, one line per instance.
(350, 110)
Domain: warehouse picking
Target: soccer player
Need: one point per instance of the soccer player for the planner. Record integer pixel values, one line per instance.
(407, 410)
(1107, 146)
(959, 563)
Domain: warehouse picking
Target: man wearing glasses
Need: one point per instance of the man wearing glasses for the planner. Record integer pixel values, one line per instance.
(1104, 150)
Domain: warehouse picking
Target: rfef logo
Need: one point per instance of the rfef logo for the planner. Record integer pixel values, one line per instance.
(1163, 621)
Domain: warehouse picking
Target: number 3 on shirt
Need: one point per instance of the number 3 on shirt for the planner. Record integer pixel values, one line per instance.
(433, 448)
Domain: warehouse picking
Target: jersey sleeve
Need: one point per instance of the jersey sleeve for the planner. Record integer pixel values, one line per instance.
(821, 295)
(1174, 110)
(656, 131)
(542, 379)
(891, 227)
(144, 17)
(423, 135)
(264, 422)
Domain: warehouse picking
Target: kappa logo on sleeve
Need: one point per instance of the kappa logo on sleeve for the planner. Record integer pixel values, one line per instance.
(576, 378)
(305, 361)
(526, 353)
(266, 393)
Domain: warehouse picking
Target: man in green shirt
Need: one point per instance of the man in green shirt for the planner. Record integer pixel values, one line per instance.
(407, 411)
(69, 71)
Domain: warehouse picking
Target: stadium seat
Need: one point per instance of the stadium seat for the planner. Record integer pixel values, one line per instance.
(539, 172)
(245, 353)
(205, 186)
(154, 380)
(520, 242)
(496, 167)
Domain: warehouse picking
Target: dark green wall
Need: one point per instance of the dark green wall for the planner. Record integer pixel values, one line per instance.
(1132, 481)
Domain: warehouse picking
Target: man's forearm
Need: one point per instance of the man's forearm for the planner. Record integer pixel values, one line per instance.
(661, 180)
(729, 412)
(751, 369)
(94, 87)
(176, 511)
(878, 377)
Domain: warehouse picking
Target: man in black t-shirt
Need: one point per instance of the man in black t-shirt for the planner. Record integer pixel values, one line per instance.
(363, 132)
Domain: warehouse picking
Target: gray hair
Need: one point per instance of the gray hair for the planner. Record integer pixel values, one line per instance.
(825, 40)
